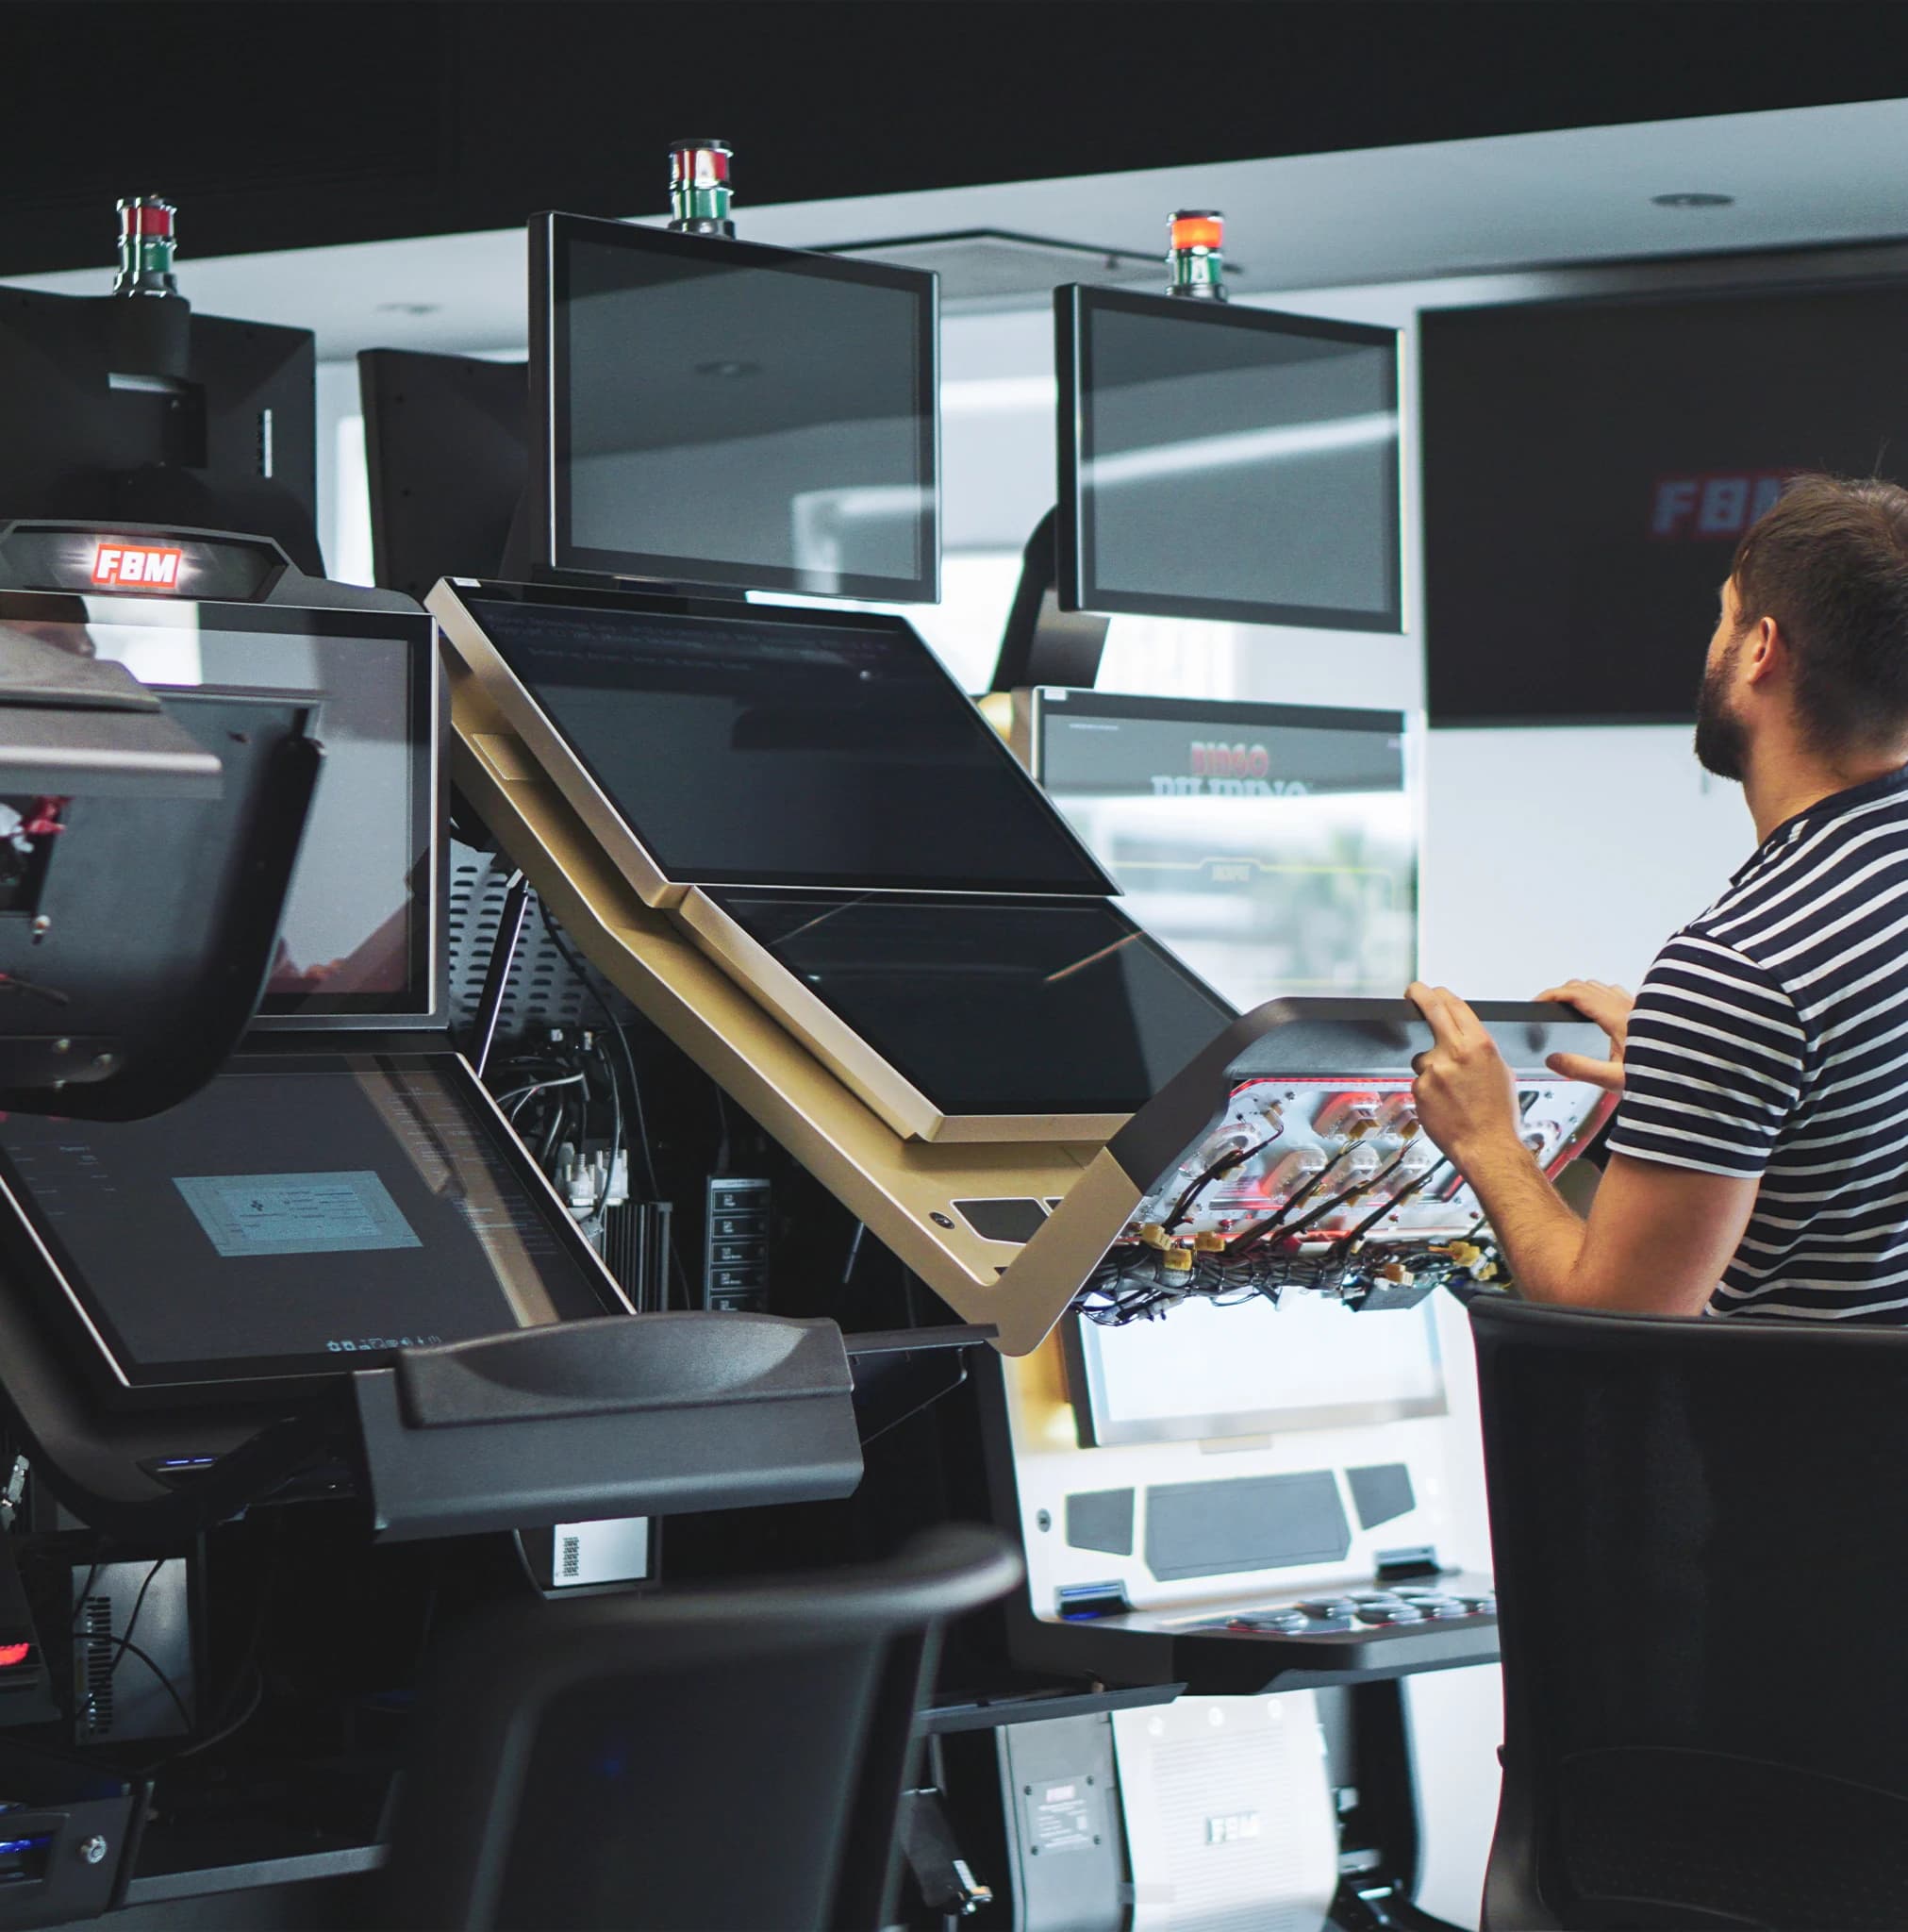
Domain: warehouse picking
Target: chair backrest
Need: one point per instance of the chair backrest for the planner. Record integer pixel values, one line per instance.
(1702, 1587)
(714, 1759)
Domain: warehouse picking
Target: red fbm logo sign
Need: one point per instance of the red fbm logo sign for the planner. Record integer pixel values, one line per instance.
(153, 566)
(1705, 508)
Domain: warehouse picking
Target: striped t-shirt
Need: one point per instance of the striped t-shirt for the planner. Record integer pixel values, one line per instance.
(1772, 1038)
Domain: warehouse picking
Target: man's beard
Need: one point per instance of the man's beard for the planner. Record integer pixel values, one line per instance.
(1721, 743)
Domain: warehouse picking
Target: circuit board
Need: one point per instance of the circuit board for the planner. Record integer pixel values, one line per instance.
(1326, 1185)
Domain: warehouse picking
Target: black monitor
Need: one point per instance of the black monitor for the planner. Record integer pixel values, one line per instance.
(446, 450)
(361, 940)
(1225, 463)
(782, 748)
(1273, 847)
(713, 412)
(1589, 468)
(134, 409)
(299, 1217)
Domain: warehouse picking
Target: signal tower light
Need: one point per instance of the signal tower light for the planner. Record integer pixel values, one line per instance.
(699, 187)
(1196, 257)
(147, 237)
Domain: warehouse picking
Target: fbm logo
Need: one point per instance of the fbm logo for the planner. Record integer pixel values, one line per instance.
(153, 566)
(1716, 504)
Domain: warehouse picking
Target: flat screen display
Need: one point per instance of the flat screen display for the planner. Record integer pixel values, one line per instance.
(995, 1008)
(298, 1218)
(358, 933)
(1209, 1371)
(799, 749)
(1590, 467)
(1227, 462)
(1273, 847)
(725, 413)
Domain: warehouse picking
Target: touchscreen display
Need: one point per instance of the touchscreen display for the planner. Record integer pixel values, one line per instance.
(997, 1008)
(1236, 463)
(757, 751)
(297, 1220)
(357, 932)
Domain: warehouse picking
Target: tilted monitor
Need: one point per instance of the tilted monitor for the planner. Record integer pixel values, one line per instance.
(837, 825)
(1220, 461)
(714, 411)
(300, 1217)
(361, 940)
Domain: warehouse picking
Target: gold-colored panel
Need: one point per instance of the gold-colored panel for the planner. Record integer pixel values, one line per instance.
(896, 1185)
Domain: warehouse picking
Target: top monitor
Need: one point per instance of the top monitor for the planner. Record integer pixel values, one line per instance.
(710, 411)
(1224, 462)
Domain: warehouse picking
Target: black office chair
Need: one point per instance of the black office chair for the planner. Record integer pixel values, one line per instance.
(1703, 1588)
(727, 1760)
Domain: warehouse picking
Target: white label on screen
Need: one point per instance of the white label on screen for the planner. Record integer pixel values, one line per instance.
(346, 1212)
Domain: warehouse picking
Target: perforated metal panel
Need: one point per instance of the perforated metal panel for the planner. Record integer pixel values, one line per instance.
(542, 991)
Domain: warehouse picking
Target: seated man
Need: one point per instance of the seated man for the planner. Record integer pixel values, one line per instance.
(1759, 1161)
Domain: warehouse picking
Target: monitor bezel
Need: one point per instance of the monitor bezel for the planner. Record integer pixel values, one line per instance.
(549, 439)
(421, 1003)
(1045, 701)
(883, 1084)
(29, 1237)
(1078, 586)
(457, 600)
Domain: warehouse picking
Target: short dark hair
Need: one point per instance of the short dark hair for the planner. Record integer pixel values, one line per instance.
(1830, 563)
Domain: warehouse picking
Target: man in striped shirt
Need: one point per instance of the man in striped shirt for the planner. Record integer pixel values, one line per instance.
(1759, 1161)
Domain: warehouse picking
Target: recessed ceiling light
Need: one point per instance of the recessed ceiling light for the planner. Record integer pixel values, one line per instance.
(408, 307)
(1688, 199)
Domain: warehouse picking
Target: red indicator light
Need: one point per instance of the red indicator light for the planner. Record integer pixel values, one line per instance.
(1198, 231)
(13, 1655)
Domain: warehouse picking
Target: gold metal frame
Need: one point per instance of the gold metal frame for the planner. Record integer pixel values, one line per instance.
(902, 1188)
(530, 730)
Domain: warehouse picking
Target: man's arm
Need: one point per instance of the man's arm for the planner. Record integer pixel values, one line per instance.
(1658, 1236)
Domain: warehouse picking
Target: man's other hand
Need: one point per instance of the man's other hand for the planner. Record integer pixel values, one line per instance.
(1465, 1093)
(1608, 1006)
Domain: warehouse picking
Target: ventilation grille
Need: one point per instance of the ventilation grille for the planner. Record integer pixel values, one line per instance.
(541, 992)
(94, 1666)
(572, 1557)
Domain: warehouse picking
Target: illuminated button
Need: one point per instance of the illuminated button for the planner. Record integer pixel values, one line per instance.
(1273, 1622)
(1390, 1613)
(1327, 1606)
(1481, 1606)
(13, 1655)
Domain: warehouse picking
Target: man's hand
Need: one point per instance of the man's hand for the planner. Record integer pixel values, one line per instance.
(1467, 1097)
(1610, 1007)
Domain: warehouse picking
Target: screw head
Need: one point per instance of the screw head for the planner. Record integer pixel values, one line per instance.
(1044, 1520)
(940, 1220)
(93, 1850)
(62, 1046)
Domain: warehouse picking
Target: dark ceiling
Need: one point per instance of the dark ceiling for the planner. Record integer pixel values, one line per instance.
(287, 122)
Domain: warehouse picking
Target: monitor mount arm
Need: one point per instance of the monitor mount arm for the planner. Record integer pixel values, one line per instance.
(1043, 643)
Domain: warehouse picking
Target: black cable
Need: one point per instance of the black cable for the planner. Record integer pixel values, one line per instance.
(1350, 1193)
(129, 1648)
(1385, 1208)
(1260, 1229)
(1233, 1158)
(615, 1028)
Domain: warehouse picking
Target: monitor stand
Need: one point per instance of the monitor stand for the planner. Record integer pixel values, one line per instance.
(1043, 643)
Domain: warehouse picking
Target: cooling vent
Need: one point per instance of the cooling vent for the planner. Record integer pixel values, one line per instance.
(543, 990)
(94, 1666)
(991, 268)
(572, 1557)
